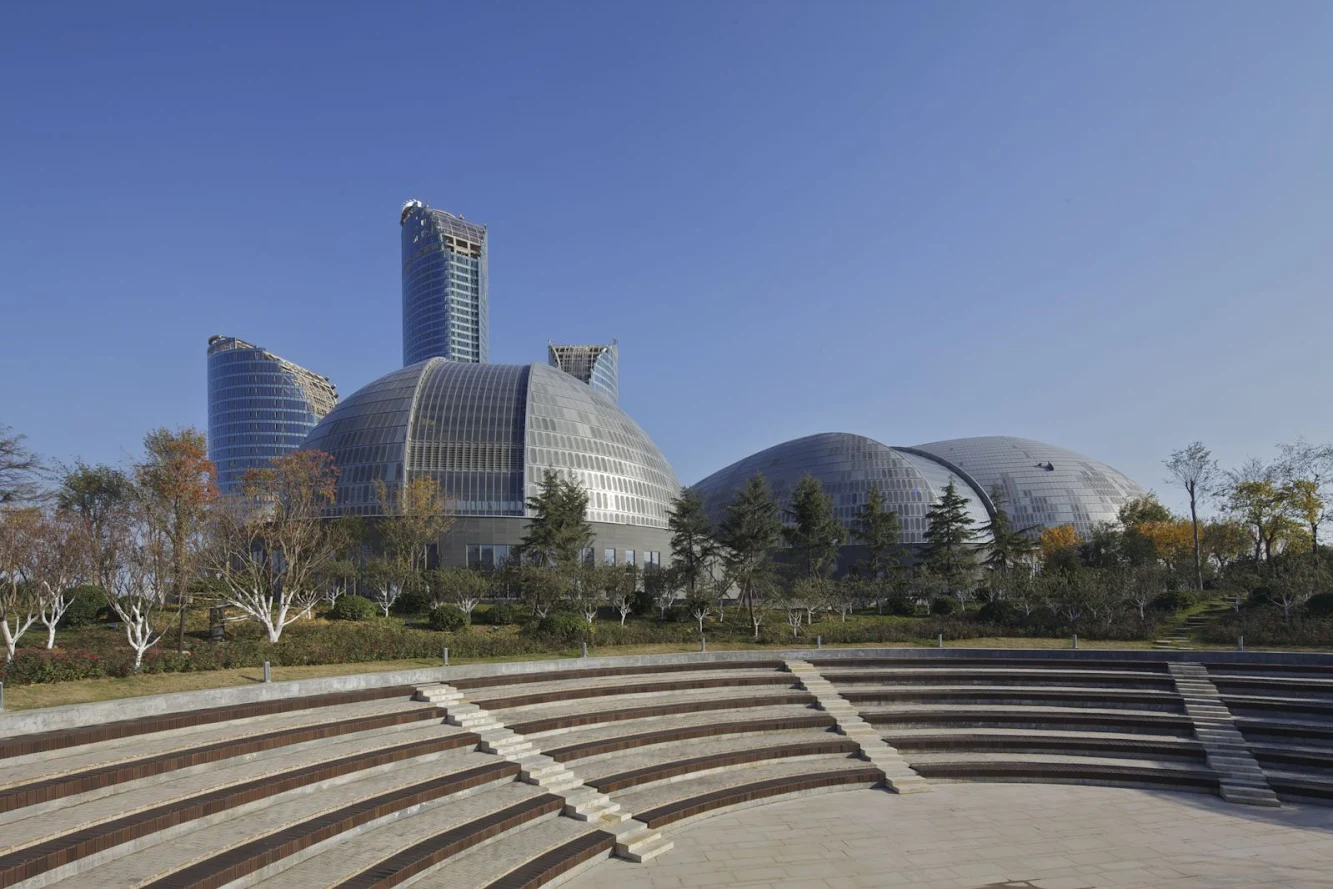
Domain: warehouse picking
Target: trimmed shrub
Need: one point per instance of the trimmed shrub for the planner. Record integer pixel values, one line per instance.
(942, 606)
(350, 607)
(411, 602)
(499, 615)
(87, 607)
(447, 618)
(1174, 600)
(563, 627)
(1320, 605)
(997, 612)
(900, 606)
(31, 666)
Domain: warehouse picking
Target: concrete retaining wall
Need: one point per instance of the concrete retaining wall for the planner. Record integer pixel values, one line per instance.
(75, 715)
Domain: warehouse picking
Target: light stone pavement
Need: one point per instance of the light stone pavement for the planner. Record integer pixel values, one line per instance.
(969, 836)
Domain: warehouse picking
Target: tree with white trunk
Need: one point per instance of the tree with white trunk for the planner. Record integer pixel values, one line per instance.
(19, 609)
(58, 561)
(271, 547)
(142, 575)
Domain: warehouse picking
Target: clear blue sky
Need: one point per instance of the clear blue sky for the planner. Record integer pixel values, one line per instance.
(1102, 225)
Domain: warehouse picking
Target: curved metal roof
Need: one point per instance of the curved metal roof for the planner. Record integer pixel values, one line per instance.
(486, 433)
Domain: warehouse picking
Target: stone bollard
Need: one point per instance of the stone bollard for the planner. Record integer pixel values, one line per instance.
(703, 644)
(584, 652)
(1240, 643)
(2, 697)
(267, 676)
(941, 640)
(444, 654)
(1075, 642)
(819, 643)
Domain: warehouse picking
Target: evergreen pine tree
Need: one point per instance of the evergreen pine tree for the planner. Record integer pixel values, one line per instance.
(880, 532)
(749, 533)
(692, 545)
(949, 534)
(1008, 546)
(558, 531)
(814, 533)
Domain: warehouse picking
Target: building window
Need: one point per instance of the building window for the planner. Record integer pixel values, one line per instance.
(586, 557)
(608, 556)
(629, 557)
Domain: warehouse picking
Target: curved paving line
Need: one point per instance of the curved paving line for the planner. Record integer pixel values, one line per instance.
(676, 768)
(686, 733)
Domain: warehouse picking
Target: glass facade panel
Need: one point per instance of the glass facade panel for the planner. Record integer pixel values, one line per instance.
(446, 306)
(1044, 486)
(608, 557)
(260, 406)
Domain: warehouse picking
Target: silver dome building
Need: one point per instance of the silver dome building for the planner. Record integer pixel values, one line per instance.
(487, 433)
(1043, 486)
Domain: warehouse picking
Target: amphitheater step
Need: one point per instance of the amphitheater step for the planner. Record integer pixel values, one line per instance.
(898, 775)
(1240, 779)
(637, 842)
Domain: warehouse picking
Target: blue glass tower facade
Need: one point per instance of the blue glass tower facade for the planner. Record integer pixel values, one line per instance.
(446, 309)
(260, 406)
(598, 366)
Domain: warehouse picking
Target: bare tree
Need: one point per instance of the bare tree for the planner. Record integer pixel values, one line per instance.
(700, 607)
(20, 469)
(1295, 586)
(1143, 584)
(622, 587)
(19, 608)
(141, 580)
(58, 561)
(1193, 468)
(415, 516)
(384, 579)
(271, 547)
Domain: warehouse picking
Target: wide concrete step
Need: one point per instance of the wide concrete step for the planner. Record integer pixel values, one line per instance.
(352, 855)
(479, 868)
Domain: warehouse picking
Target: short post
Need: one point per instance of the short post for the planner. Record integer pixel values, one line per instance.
(2, 696)
(1240, 642)
(941, 640)
(584, 652)
(703, 644)
(267, 676)
(444, 654)
(1075, 644)
(819, 642)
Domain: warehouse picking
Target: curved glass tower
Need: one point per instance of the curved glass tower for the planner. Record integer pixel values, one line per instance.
(260, 406)
(446, 310)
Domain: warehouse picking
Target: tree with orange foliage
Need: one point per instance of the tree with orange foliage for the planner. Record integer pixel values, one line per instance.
(175, 484)
(1057, 539)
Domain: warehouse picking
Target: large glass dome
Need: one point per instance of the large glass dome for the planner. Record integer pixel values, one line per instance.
(1042, 485)
(847, 466)
(487, 433)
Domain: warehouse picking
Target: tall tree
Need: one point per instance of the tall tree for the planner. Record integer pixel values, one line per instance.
(813, 532)
(1305, 504)
(1254, 497)
(175, 484)
(99, 496)
(748, 533)
(1194, 469)
(1009, 546)
(558, 531)
(949, 536)
(1308, 470)
(18, 601)
(20, 469)
(142, 577)
(692, 546)
(880, 531)
(272, 547)
(415, 516)
(58, 561)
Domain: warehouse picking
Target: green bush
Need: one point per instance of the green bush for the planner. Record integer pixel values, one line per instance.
(87, 607)
(499, 615)
(1320, 605)
(31, 666)
(412, 602)
(942, 606)
(447, 618)
(563, 627)
(901, 606)
(351, 607)
(997, 611)
(1173, 600)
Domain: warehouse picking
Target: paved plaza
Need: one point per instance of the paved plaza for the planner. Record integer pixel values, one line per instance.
(988, 836)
